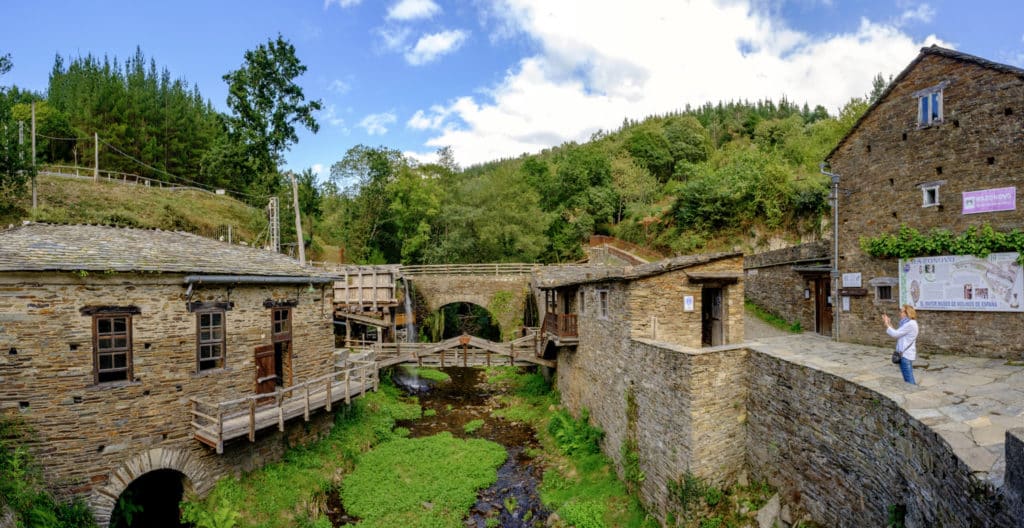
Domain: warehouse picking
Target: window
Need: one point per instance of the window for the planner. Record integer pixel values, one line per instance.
(210, 342)
(885, 288)
(930, 193)
(282, 327)
(602, 303)
(929, 105)
(112, 346)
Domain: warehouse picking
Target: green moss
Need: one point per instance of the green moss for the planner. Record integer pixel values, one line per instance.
(428, 374)
(772, 319)
(473, 426)
(421, 482)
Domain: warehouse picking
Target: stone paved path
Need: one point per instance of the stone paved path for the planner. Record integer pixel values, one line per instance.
(970, 402)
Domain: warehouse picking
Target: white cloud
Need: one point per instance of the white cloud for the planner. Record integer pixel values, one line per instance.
(339, 86)
(319, 170)
(394, 39)
(430, 47)
(596, 66)
(342, 3)
(330, 116)
(921, 13)
(412, 10)
(377, 124)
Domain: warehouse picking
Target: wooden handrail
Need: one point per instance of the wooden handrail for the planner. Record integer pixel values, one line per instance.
(501, 268)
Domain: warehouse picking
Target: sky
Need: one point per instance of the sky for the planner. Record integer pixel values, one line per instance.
(498, 78)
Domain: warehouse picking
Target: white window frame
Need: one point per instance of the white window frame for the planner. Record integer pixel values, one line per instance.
(930, 193)
(930, 105)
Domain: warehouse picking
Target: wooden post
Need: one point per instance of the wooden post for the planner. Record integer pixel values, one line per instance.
(252, 420)
(96, 166)
(442, 359)
(280, 410)
(305, 414)
(348, 386)
(330, 382)
(465, 351)
(488, 358)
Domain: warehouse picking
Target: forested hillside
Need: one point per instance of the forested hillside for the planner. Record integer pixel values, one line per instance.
(721, 176)
(725, 176)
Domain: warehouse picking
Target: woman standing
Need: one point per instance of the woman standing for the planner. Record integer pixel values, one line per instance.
(906, 339)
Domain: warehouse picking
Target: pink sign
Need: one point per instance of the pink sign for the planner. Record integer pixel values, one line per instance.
(1003, 199)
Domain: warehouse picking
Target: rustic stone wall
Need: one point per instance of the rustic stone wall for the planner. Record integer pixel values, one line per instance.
(86, 432)
(481, 290)
(977, 146)
(846, 453)
(771, 282)
(656, 305)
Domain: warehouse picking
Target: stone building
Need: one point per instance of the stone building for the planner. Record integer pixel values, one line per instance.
(109, 336)
(793, 283)
(943, 147)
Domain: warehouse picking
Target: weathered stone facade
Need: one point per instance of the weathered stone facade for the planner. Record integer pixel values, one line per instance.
(847, 454)
(95, 436)
(772, 280)
(978, 144)
(503, 294)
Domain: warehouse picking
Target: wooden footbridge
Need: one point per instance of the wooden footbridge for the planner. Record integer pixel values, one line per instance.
(464, 351)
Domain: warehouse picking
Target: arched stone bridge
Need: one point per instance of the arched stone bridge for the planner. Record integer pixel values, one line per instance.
(502, 289)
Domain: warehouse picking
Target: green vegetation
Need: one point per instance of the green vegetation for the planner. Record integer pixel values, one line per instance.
(701, 505)
(427, 373)
(771, 318)
(583, 487)
(473, 426)
(422, 482)
(285, 494)
(22, 488)
(909, 243)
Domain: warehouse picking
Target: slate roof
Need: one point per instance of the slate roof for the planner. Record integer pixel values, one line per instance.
(550, 277)
(930, 50)
(52, 247)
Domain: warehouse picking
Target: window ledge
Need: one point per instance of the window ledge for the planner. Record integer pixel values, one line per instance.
(212, 372)
(110, 385)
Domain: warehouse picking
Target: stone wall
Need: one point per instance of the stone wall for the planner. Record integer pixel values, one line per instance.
(87, 432)
(883, 162)
(482, 290)
(771, 282)
(846, 454)
(656, 305)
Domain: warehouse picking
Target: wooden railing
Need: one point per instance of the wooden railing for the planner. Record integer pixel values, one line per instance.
(65, 171)
(470, 269)
(464, 350)
(215, 423)
(561, 325)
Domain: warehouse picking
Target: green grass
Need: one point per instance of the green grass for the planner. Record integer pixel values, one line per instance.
(473, 426)
(427, 373)
(66, 201)
(772, 319)
(282, 494)
(422, 482)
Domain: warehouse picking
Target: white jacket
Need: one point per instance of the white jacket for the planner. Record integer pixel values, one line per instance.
(906, 338)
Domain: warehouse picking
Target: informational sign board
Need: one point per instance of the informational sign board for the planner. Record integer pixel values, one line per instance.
(851, 280)
(963, 283)
(688, 303)
(990, 200)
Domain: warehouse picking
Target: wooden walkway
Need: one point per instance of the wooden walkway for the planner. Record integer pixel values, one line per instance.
(215, 423)
(464, 351)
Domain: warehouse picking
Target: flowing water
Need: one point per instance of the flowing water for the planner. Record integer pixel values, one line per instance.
(513, 499)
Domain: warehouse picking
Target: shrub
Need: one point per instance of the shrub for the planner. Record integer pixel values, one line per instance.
(575, 436)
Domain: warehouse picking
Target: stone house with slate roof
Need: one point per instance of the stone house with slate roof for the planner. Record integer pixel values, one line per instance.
(942, 147)
(106, 334)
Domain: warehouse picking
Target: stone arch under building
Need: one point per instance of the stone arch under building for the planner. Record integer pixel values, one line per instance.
(503, 296)
(195, 478)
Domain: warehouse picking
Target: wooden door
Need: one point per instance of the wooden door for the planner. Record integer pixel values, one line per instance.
(712, 317)
(823, 306)
(266, 369)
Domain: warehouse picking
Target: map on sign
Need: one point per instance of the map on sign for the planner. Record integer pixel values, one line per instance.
(963, 283)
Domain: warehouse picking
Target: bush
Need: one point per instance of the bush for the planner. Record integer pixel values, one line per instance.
(575, 436)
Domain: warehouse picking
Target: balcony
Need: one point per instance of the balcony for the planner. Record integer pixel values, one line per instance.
(215, 423)
(561, 328)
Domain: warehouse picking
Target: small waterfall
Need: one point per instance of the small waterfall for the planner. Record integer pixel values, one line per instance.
(410, 318)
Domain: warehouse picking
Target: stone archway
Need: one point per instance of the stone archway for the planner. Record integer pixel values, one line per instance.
(504, 296)
(197, 479)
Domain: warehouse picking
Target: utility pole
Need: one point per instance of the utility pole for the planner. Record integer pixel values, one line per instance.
(298, 220)
(836, 305)
(275, 229)
(33, 155)
(96, 165)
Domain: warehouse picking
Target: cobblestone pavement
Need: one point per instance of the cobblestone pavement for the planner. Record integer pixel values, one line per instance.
(970, 402)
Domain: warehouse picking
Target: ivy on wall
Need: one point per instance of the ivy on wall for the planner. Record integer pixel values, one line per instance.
(978, 241)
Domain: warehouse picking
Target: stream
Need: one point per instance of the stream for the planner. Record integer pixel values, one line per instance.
(512, 502)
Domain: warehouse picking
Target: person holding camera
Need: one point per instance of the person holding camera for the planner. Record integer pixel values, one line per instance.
(905, 333)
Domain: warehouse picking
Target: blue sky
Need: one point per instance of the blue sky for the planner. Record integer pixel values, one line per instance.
(497, 78)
